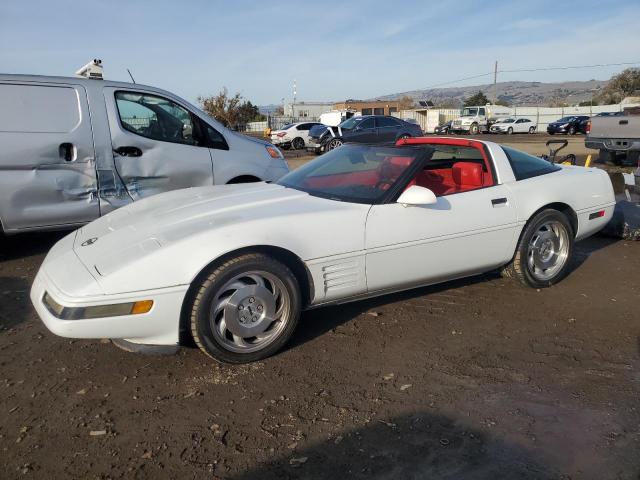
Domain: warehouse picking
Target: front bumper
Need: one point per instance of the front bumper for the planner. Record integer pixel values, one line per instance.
(160, 326)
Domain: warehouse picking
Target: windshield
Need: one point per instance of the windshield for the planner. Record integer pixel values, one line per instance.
(356, 173)
(469, 112)
(506, 120)
(351, 122)
(287, 126)
(565, 119)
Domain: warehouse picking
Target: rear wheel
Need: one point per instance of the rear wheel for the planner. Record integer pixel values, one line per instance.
(532, 130)
(246, 309)
(544, 251)
(297, 143)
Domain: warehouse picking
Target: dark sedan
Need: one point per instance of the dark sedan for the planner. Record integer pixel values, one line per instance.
(569, 125)
(365, 129)
(443, 129)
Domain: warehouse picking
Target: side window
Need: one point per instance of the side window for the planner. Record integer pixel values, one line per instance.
(368, 123)
(155, 117)
(520, 120)
(526, 166)
(387, 122)
(304, 127)
(481, 112)
(214, 138)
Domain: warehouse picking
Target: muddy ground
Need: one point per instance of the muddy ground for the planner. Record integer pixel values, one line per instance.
(476, 379)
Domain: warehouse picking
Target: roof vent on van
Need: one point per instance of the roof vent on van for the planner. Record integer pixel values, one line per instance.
(93, 69)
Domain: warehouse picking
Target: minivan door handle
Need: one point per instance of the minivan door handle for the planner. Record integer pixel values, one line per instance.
(128, 151)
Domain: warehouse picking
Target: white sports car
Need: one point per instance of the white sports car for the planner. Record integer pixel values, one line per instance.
(234, 265)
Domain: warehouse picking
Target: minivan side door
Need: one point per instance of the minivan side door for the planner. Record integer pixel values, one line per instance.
(158, 144)
(47, 159)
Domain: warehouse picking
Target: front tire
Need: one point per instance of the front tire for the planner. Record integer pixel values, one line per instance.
(473, 129)
(334, 143)
(246, 309)
(510, 131)
(572, 130)
(543, 255)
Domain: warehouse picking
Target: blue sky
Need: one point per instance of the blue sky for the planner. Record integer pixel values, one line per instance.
(335, 50)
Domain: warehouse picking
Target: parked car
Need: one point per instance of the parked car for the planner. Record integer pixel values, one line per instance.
(570, 125)
(443, 129)
(234, 265)
(616, 137)
(512, 125)
(293, 135)
(364, 129)
(74, 149)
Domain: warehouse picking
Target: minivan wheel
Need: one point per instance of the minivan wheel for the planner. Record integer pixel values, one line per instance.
(297, 143)
(543, 255)
(246, 309)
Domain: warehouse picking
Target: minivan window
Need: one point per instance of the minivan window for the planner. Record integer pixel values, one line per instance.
(155, 117)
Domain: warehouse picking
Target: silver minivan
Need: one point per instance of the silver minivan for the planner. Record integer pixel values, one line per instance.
(74, 149)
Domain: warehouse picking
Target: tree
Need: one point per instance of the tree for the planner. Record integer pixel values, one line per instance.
(405, 103)
(476, 100)
(588, 103)
(222, 107)
(625, 84)
(248, 112)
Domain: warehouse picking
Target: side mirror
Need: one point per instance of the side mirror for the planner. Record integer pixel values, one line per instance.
(416, 195)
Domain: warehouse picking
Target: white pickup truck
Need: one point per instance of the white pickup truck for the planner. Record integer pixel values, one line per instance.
(479, 119)
(615, 134)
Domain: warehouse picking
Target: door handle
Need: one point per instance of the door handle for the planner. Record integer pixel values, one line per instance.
(498, 201)
(67, 151)
(128, 151)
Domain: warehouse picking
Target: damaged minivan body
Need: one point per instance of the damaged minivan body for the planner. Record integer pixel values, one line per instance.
(75, 149)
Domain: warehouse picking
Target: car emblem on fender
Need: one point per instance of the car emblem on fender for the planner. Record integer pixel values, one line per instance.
(91, 241)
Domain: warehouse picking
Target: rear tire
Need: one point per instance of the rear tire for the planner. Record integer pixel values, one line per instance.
(532, 130)
(297, 143)
(245, 309)
(544, 251)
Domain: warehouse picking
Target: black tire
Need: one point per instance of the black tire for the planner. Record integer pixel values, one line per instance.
(473, 129)
(520, 267)
(510, 131)
(285, 146)
(208, 291)
(297, 143)
(404, 136)
(551, 133)
(334, 143)
(532, 130)
(572, 130)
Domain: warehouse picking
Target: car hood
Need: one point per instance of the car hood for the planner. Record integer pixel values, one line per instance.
(141, 229)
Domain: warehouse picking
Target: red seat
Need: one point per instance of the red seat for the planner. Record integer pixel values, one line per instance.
(467, 175)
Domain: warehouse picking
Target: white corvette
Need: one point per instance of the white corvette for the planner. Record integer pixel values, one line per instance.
(234, 265)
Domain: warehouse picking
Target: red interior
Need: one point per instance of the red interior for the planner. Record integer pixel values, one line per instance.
(462, 176)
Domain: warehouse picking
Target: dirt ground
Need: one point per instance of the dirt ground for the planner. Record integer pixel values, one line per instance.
(474, 379)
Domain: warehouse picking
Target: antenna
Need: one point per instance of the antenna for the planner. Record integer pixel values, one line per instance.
(132, 79)
(294, 98)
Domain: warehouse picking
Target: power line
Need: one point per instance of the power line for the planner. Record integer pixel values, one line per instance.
(540, 69)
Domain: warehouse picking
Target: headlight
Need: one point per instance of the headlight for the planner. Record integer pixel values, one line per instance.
(274, 152)
(96, 311)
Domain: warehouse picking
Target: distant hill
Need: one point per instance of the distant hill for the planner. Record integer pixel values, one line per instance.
(515, 93)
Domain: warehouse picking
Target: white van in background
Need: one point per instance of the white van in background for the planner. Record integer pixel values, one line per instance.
(74, 149)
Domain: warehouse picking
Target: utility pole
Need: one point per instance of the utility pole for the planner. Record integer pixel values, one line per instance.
(294, 98)
(495, 81)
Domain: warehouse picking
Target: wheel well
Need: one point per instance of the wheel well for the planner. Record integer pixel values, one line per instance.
(244, 179)
(290, 259)
(563, 208)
